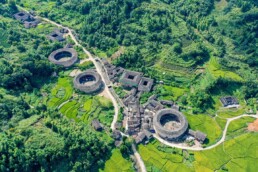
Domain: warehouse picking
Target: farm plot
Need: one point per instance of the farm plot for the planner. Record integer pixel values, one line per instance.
(215, 69)
(61, 92)
(239, 126)
(241, 150)
(117, 163)
(86, 108)
(239, 154)
(156, 160)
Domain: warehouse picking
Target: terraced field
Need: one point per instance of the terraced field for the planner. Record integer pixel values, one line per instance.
(81, 107)
(215, 68)
(61, 92)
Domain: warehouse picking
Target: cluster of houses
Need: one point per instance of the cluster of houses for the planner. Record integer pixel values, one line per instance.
(139, 117)
(30, 21)
(113, 71)
(27, 19)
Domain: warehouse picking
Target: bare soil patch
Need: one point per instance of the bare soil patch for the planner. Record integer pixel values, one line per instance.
(253, 126)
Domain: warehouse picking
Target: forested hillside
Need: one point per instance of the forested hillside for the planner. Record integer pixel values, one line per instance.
(34, 137)
(184, 43)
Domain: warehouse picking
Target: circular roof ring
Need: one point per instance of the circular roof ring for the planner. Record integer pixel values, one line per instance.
(65, 57)
(170, 124)
(88, 82)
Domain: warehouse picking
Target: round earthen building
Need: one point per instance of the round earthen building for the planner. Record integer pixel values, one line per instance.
(65, 57)
(170, 124)
(88, 82)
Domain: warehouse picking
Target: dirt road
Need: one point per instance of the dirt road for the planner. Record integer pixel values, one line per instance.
(180, 146)
(99, 69)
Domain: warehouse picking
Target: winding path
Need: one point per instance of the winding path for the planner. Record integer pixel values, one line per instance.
(139, 159)
(100, 70)
(180, 146)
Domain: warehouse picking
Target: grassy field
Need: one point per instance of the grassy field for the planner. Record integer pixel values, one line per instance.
(229, 113)
(239, 154)
(221, 122)
(175, 93)
(117, 163)
(215, 69)
(239, 126)
(207, 125)
(156, 160)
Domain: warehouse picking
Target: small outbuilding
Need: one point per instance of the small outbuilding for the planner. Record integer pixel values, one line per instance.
(229, 101)
(198, 135)
(148, 134)
(116, 135)
(140, 137)
(96, 125)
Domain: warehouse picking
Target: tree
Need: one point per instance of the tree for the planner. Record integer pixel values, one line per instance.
(200, 100)
(177, 48)
(12, 5)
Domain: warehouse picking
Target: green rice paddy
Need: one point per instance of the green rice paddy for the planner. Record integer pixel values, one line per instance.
(117, 163)
(236, 154)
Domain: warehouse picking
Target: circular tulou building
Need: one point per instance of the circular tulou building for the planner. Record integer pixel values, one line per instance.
(88, 82)
(65, 57)
(170, 124)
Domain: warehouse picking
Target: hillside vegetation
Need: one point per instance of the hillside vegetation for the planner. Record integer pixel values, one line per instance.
(183, 43)
(33, 135)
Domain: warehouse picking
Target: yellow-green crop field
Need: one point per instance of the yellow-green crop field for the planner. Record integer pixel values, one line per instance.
(117, 163)
(239, 126)
(207, 125)
(237, 154)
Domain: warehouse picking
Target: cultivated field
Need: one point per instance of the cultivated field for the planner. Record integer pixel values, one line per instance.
(117, 163)
(236, 154)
